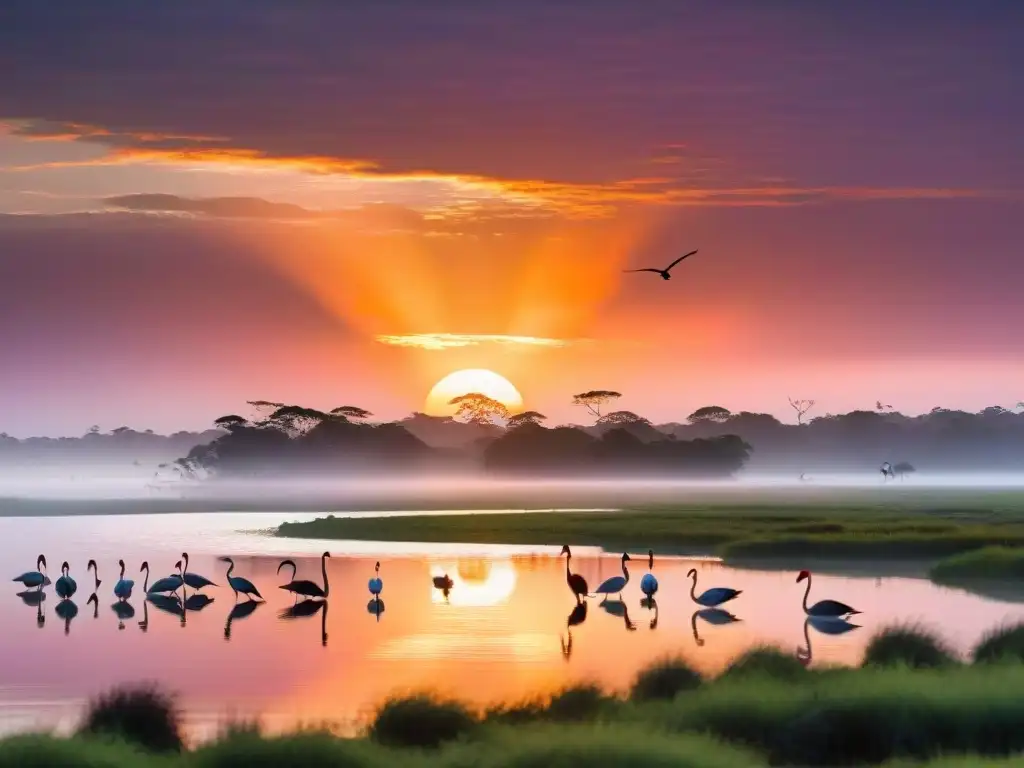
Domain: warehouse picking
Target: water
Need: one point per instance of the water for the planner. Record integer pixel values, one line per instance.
(499, 635)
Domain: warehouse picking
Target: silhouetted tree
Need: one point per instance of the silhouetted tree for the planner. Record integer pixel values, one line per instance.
(709, 413)
(295, 419)
(880, 406)
(94, 429)
(120, 430)
(524, 418)
(231, 422)
(903, 468)
(351, 412)
(621, 418)
(801, 407)
(477, 408)
(595, 399)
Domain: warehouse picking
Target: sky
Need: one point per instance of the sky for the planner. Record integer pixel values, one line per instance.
(326, 203)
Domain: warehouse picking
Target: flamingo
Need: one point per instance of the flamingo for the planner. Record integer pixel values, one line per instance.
(375, 584)
(615, 584)
(239, 584)
(36, 578)
(576, 583)
(123, 587)
(305, 587)
(713, 597)
(96, 575)
(167, 583)
(65, 586)
(444, 583)
(194, 580)
(823, 609)
(649, 584)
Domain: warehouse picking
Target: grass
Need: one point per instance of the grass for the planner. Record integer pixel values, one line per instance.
(910, 646)
(906, 527)
(1001, 645)
(766, 662)
(664, 679)
(985, 563)
(860, 716)
(141, 715)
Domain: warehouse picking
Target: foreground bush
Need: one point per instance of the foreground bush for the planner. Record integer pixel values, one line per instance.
(141, 715)
(37, 751)
(604, 746)
(420, 721)
(865, 715)
(1005, 644)
(767, 662)
(914, 647)
(299, 750)
(664, 680)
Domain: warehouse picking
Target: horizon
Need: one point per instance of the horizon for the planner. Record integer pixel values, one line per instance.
(276, 218)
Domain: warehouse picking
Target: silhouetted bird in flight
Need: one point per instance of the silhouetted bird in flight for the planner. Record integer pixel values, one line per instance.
(663, 272)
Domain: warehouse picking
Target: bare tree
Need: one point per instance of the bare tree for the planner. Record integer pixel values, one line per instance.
(476, 408)
(594, 399)
(801, 407)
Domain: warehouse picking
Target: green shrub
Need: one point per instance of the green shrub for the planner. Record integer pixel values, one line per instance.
(420, 721)
(1003, 644)
(142, 715)
(914, 647)
(766, 661)
(579, 702)
(298, 750)
(38, 751)
(664, 680)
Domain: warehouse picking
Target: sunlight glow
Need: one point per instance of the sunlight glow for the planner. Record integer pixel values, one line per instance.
(493, 589)
(438, 341)
(472, 380)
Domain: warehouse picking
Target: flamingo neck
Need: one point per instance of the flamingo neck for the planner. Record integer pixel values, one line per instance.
(122, 570)
(185, 558)
(693, 591)
(145, 582)
(624, 571)
(807, 592)
(323, 567)
(231, 567)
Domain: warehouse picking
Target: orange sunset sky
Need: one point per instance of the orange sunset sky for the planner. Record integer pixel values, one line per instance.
(335, 204)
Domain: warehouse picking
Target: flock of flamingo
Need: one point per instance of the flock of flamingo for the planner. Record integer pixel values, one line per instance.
(163, 593)
(829, 616)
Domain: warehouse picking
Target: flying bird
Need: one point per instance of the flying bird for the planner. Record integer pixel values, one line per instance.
(663, 272)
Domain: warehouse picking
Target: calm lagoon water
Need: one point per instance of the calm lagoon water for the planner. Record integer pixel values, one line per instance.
(500, 634)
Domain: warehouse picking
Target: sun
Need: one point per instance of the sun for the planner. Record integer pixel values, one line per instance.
(472, 380)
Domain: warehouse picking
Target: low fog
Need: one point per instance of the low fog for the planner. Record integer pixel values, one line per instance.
(27, 491)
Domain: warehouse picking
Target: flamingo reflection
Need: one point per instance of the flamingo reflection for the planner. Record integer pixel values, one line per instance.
(576, 617)
(240, 611)
(713, 616)
(826, 627)
(651, 605)
(95, 605)
(66, 610)
(124, 611)
(376, 607)
(618, 608)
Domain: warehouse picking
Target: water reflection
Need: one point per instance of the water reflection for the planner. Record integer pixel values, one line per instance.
(376, 607)
(824, 626)
(240, 611)
(488, 632)
(715, 616)
(66, 610)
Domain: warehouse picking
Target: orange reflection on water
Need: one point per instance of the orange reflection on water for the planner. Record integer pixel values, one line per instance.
(509, 629)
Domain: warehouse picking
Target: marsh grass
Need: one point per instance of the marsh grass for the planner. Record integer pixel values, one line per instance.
(664, 679)
(575, 703)
(996, 562)
(734, 531)
(910, 645)
(140, 714)
(766, 661)
(40, 751)
(999, 645)
(421, 720)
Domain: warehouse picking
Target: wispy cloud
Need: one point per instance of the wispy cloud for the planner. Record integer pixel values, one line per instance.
(442, 341)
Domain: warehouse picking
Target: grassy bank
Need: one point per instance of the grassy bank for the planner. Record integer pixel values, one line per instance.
(914, 528)
(766, 710)
(986, 563)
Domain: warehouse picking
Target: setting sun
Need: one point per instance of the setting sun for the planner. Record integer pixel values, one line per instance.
(472, 380)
